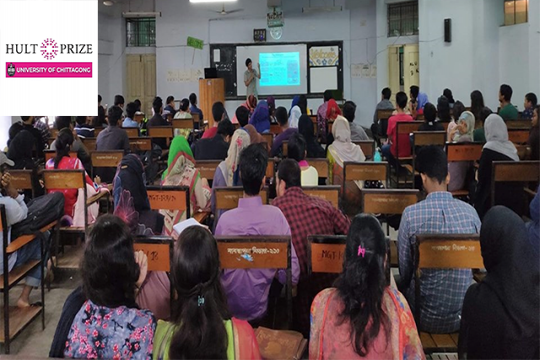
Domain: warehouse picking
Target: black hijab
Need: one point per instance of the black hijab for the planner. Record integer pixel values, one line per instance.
(305, 127)
(130, 172)
(20, 150)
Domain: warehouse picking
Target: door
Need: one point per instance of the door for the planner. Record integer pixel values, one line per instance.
(141, 80)
(411, 67)
(393, 71)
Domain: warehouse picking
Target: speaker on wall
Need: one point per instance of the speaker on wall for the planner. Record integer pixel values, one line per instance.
(447, 30)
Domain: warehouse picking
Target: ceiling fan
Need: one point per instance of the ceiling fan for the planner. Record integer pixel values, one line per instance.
(224, 12)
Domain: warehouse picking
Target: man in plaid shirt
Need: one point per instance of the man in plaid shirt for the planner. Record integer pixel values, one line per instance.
(306, 215)
(442, 291)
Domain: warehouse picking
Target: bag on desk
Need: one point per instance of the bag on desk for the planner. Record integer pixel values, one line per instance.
(42, 211)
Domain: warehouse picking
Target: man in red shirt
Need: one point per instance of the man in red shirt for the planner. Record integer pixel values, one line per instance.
(306, 215)
(390, 150)
(218, 113)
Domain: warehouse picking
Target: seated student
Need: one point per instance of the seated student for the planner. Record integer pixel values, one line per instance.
(534, 135)
(322, 120)
(82, 128)
(447, 93)
(28, 125)
(218, 113)
(508, 111)
(102, 320)
(357, 132)
(418, 100)
(247, 290)
(17, 211)
(202, 326)
(249, 105)
(99, 121)
(20, 151)
(497, 148)
(193, 109)
(128, 122)
(183, 113)
(313, 148)
(462, 172)
(170, 105)
(390, 150)
(242, 116)
(442, 290)
(112, 138)
(298, 108)
(332, 112)
(260, 118)
(444, 112)
(297, 151)
(531, 101)
(286, 131)
(64, 122)
(500, 313)
(42, 124)
(14, 129)
(306, 215)
(477, 104)
(363, 317)
(384, 104)
(158, 120)
(430, 119)
(119, 101)
(215, 148)
(464, 130)
(479, 134)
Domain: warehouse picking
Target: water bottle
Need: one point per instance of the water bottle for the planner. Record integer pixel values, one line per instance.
(377, 157)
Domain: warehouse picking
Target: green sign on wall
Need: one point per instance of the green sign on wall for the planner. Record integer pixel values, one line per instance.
(195, 43)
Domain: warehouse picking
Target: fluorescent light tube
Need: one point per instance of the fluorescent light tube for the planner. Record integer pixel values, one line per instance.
(210, 1)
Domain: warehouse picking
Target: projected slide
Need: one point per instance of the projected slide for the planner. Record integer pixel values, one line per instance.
(280, 69)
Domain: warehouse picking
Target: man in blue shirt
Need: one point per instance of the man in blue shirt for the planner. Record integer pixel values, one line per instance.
(128, 122)
(194, 109)
(442, 291)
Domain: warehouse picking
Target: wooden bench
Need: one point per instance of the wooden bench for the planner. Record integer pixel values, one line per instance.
(132, 132)
(89, 143)
(207, 168)
(463, 152)
(269, 140)
(443, 251)
(105, 159)
(518, 136)
(405, 128)
(182, 123)
(518, 124)
(362, 171)
(227, 198)
(382, 118)
(258, 252)
(161, 132)
(97, 130)
(326, 253)
(327, 192)
(514, 171)
(23, 180)
(169, 198)
(140, 144)
(51, 154)
(368, 148)
(275, 129)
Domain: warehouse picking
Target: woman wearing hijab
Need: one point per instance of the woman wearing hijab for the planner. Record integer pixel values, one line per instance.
(181, 171)
(250, 104)
(461, 171)
(497, 148)
(332, 111)
(254, 136)
(340, 151)
(260, 118)
(305, 128)
(298, 108)
(499, 319)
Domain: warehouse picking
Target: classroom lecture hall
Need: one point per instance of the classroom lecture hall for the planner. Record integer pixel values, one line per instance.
(283, 179)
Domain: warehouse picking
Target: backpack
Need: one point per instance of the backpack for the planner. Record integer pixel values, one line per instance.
(42, 211)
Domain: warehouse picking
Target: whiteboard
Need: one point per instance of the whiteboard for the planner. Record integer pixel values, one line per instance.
(323, 78)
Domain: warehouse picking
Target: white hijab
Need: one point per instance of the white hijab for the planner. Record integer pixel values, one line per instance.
(342, 145)
(295, 116)
(497, 137)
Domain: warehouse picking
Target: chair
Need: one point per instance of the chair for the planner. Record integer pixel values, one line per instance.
(105, 159)
(227, 198)
(405, 128)
(275, 129)
(207, 168)
(362, 171)
(182, 124)
(327, 192)
(443, 251)
(51, 154)
(368, 148)
(463, 152)
(518, 136)
(140, 144)
(169, 198)
(514, 171)
(382, 118)
(89, 143)
(326, 253)
(132, 132)
(22, 180)
(269, 140)
(388, 202)
(258, 252)
(322, 167)
(97, 130)
(161, 132)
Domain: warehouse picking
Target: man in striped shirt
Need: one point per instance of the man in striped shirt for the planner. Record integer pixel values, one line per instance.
(442, 291)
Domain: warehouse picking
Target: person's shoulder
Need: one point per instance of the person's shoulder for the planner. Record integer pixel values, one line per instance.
(322, 297)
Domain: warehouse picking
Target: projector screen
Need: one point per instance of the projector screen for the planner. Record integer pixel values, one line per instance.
(283, 68)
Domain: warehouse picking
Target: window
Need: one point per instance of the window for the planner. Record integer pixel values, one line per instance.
(515, 11)
(141, 32)
(403, 19)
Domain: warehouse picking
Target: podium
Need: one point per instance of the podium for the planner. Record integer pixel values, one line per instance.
(210, 91)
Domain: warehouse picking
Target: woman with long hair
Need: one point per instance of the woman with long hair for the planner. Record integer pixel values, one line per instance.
(201, 326)
(181, 171)
(101, 319)
(363, 317)
(305, 128)
(477, 104)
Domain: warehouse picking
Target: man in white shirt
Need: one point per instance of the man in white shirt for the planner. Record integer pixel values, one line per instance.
(17, 211)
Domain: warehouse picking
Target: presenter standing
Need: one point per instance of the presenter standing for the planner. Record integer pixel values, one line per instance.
(249, 78)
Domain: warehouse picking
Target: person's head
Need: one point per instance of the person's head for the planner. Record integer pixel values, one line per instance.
(332, 110)
(14, 130)
(62, 122)
(81, 120)
(495, 128)
(386, 93)
(253, 162)
(443, 109)
(282, 117)
(401, 100)
(328, 94)
(63, 143)
(138, 102)
(109, 270)
(535, 115)
(288, 176)
(201, 306)
(99, 99)
(115, 114)
(297, 147)
(466, 123)
(226, 129)
(364, 277)
(432, 164)
(448, 94)
(484, 113)
(193, 99)
(242, 115)
(349, 110)
(458, 109)
(218, 111)
(29, 120)
(302, 104)
(530, 101)
(157, 105)
(119, 101)
(131, 109)
(251, 102)
(477, 101)
(170, 100)
(430, 113)
(5, 162)
(414, 91)
(184, 104)
(167, 115)
(341, 130)
(249, 63)
(305, 127)
(505, 93)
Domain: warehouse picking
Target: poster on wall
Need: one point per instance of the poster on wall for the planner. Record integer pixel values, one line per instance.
(324, 56)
